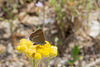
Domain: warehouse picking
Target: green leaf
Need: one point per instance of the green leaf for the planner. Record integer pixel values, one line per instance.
(70, 62)
(52, 2)
(60, 42)
(75, 51)
(77, 58)
(56, 40)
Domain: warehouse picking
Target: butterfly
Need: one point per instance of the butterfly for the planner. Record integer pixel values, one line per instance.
(37, 37)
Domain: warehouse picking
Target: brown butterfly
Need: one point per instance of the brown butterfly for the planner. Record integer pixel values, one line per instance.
(37, 37)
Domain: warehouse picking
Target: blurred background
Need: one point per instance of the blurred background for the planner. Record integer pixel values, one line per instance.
(71, 25)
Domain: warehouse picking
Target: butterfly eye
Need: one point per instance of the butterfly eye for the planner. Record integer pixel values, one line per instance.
(30, 38)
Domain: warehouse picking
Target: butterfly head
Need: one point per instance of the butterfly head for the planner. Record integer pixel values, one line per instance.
(30, 38)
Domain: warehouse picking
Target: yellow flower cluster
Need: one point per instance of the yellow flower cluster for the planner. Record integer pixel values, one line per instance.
(37, 51)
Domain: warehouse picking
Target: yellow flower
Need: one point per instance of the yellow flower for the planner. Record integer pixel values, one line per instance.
(54, 52)
(40, 51)
(33, 56)
(45, 53)
(22, 42)
(38, 46)
(33, 48)
(50, 50)
(37, 51)
(28, 53)
(47, 45)
(29, 43)
(47, 42)
(18, 48)
(38, 56)
(23, 48)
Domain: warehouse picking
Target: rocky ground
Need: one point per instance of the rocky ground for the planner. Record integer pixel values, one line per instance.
(27, 18)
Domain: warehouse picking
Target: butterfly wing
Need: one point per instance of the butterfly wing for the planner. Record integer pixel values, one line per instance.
(37, 36)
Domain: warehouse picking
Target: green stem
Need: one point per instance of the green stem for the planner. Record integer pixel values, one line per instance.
(30, 61)
(34, 63)
(38, 63)
(8, 12)
(47, 62)
(39, 18)
(11, 28)
(11, 23)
